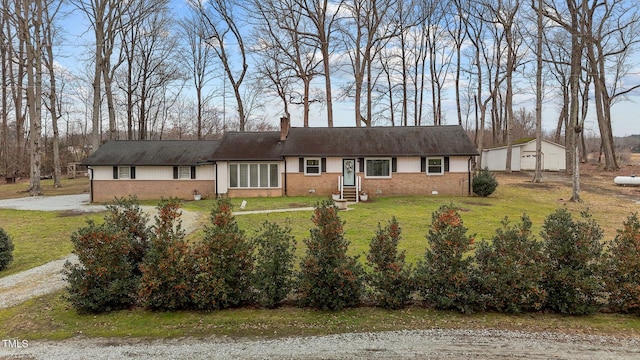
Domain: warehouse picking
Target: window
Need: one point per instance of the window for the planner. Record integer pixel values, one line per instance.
(184, 172)
(435, 166)
(124, 172)
(253, 175)
(312, 166)
(378, 168)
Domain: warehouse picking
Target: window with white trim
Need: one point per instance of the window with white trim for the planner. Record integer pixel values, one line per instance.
(184, 172)
(435, 166)
(312, 166)
(377, 168)
(124, 172)
(253, 175)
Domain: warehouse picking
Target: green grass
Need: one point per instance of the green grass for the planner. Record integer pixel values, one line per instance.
(50, 317)
(39, 236)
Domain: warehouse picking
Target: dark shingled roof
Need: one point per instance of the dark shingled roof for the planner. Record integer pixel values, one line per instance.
(248, 146)
(379, 141)
(161, 152)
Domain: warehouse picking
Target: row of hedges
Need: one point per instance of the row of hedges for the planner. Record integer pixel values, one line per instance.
(124, 263)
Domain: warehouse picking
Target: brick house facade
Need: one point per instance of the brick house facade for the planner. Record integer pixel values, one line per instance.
(350, 161)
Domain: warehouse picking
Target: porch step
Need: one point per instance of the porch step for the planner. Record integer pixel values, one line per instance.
(350, 193)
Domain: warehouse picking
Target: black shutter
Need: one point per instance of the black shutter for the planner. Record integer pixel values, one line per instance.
(193, 172)
(361, 161)
(175, 172)
(446, 164)
(115, 172)
(394, 164)
(323, 165)
(301, 165)
(423, 164)
(133, 172)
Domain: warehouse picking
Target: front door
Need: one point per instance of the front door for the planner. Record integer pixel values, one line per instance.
(349, 172)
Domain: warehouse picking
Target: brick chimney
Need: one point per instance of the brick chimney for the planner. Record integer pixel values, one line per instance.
(284, 128)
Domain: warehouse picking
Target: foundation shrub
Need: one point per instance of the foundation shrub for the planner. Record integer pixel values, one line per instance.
(484, 183)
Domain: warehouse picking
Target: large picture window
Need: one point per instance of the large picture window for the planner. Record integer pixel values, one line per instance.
(251, 175)
(378, 168)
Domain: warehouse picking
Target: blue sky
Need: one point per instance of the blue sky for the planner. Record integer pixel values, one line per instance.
(625, 114)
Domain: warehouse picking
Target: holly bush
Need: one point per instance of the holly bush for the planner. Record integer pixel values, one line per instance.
(272, 277)
(223, 262)
(445, 278)
(511, 269)
(328, 278)
(165, 282)
(390, 278)
(622, 268)
(573, 249)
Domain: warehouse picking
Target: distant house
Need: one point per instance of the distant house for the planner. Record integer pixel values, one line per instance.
(523, 156)
(298, 162)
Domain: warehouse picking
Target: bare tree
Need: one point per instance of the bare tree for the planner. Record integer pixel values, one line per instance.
(148, 53)
(5, 57)
(324, 18)
(537, 177)
(225, 37)
(50, 11)
(198, 58)
(504, 15)
(14, 78)
(106, 18)
(287, 51)
(372, 25)
(29, 22)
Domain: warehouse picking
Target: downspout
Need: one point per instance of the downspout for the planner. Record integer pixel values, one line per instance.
(284, 180)
(215, 165)
(90, 184)
(469, 175)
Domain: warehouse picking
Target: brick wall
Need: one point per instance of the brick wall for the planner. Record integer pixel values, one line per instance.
(454, 184)
(235, 193)
(107, 190)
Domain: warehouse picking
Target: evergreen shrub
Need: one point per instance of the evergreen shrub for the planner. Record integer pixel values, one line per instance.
(390, 279)
(6, 249)
(445, 277)
(484, 183)
(573, 250)
(328, 278)
(511, 269)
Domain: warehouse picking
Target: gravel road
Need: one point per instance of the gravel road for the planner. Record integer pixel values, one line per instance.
(426, 344)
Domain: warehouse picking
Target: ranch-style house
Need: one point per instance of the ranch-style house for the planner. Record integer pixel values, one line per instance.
(346, 161)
